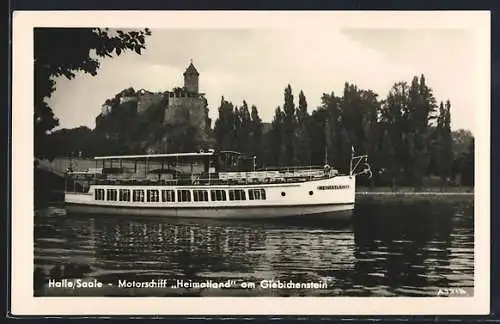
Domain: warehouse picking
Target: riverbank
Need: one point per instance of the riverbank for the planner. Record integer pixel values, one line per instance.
(415, 190)
(409, 195)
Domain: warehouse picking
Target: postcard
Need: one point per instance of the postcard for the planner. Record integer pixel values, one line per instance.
(250, 163)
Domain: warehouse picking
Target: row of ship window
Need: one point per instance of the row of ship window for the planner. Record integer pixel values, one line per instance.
(154, 195)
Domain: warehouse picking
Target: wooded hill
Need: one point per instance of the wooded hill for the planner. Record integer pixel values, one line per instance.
(406, 135)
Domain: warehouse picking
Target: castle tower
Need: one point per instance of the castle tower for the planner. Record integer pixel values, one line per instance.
(191, 78)
(188, 105)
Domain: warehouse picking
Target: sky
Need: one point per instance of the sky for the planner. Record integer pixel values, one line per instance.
(256, 64)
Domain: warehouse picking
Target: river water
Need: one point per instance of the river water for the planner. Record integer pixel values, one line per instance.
(414, 249)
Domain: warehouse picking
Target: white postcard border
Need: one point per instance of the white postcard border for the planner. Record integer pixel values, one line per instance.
(23, 302)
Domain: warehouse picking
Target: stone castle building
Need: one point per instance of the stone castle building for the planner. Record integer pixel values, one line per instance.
(182, 104)
(187, 104)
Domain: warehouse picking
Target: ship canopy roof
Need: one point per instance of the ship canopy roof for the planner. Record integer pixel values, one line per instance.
(155, 156)
(189, 155)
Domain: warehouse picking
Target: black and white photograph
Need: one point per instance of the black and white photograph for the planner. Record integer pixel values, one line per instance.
(334, 161)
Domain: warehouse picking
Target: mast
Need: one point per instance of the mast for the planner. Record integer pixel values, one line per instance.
(350, 161)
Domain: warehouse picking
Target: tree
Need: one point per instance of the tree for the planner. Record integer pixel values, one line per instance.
(408, 113)
(289, 126)
(333, 126)
(351, 114)
(317, 134)
(71, 142)
(208, 120)
(340, 128)
(256, 135)
(372, 132)
(302, 136)
(243, 132)
(444, 142)
(224, 126)
(276, 137)
(236, 129)
(302, 109)
(415, 127)
(461, 140)
(393, 115)
(64, 52)
(468, 169)
(387, 160)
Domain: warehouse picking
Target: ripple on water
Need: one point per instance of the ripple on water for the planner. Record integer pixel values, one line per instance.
(380, 256)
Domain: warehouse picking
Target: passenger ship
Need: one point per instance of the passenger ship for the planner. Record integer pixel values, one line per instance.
(209, 184)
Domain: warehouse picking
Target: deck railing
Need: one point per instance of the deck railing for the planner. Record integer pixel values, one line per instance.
(295, 174)
(224, 179)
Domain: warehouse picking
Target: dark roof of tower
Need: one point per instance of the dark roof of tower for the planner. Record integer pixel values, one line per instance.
(191, 70)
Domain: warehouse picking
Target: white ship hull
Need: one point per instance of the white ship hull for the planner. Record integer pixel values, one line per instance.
(333, 197)
(330, 211)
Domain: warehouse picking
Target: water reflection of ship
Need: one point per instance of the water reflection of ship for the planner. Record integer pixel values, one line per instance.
(382, 252)
(163, 246)
(245, 250)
